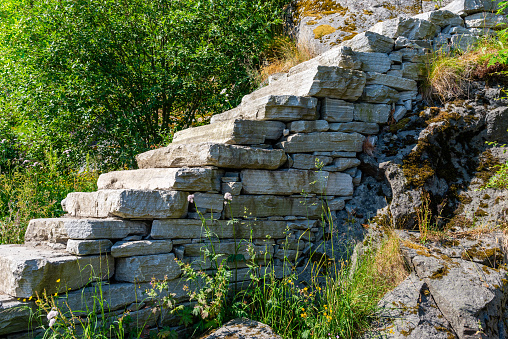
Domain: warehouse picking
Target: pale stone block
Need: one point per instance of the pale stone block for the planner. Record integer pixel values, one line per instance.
(400, 84)
(295, 181)
(379, 94)
(441, 18)
(465, 7)
(210, 154)
(336, 110)
(310, 162)
(463, 42)
(372, 113)
(223, 229)
(303, 126)
(336, 204)
(133, 204)
(324, 142)
(341, 56)
(356, 126)
(25, 271)
(411, 28)
(240, 248)
(59, 230)
(209, 202)
(374, 62)
(235, 188)
(320, 81)
(234, 132)
(273, 107)
(370, 42)
(343, 164)
(142, 247)
(89, 247)
(400, 112)
(179, 179)
(144, 268)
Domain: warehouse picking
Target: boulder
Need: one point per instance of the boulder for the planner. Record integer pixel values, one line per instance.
(59, 230)
(144, 268)
(132, 204)
(295, 181)
(210, 154)
(25, 271)
(323, 142)
(272, 107)
(179, 179)
(234, 132)
(320, 81)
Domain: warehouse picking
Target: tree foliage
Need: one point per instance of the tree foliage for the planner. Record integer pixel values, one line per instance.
(113, 77)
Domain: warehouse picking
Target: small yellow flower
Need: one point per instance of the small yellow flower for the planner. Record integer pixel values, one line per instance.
(304, 315)
(24, 300)
(58, 280)
(56, 294)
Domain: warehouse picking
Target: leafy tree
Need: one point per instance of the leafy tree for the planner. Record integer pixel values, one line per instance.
(110, 78)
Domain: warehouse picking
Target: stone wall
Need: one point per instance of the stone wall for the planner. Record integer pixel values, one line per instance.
(276, 164)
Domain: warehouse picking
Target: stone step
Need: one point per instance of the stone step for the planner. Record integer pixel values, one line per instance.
(318, 81)
(323, 142)
(234, 132)
(125, 203)
(273, 107)
(178, 179)
(295, 181)
(60, 230)
(212, 154)
(26, 271)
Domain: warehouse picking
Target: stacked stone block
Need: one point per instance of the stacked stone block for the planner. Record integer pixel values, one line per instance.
(283, 158)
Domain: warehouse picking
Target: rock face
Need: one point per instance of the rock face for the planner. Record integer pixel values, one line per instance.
(243, 328)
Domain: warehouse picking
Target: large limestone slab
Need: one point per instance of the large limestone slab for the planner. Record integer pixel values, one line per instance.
(333, 110)
(25, 271)
(141, 247)
(295, 181)
(59, 230)
(133, 204)
(144, 268)
(442, 18)
(400, 84)
(341, 56)
(89, 247)
(370, 42)
(374, 62)
(486, 20)
(234, 132)
(465, 7)
(260, 206)
(211, 154)
(410, 28)
(320, 81)
(323, 142)
(179, 179)
(272, 107)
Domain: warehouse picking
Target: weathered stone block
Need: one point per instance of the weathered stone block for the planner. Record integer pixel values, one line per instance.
(374, 62)
(210, 154)
(235, 188)
(465, 7)
(321, 81)
(370, 42)
(234, 132)
(133, 204)
(14, 315)
(323, 141)
(341, 56)
(441, 18)
(343, 164)
(240, 248)
(336, 110)
(222, 229)
(179, 179)
(411, 28)
(380, 94)
(372, 113)
(356, 126)
(209, 202)
(272, 107)
(303, 126)
(260, 206)
(400, 84)
(144, 268)
(142, 247)
(310, 162)
(89, 247)
(486, 20)
(25, 271)
(59, 230)
(296, 181)
(412, 70)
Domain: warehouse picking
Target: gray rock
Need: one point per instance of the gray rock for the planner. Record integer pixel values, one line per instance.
(341, 56)
(441, 18)
(412, 70)
(465, 7)
(209, 202)
(411, 28)
(235, 188)
(380, 94)
(497, 125)
(295, 181)
(403, 42)
(486, 20)
(210, 154)
(374, 62)
(372, 113)
(142, 247)
(234, 132)
(227, 248)
(323, 142)
(370, 42)
(400, 112)
(303, 126)
(333, 110)
(243, 328)
(144, 268)
(272, 107)
(310, 162)
(89, 247)
(463, 42)
(134, 204)
(25, 271)
(14, 315)
(398, 83)
(343, 164)
(59, 230)
(180, 179)
(359, 127)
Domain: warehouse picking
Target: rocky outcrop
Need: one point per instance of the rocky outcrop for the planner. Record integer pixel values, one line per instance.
(243, 328)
